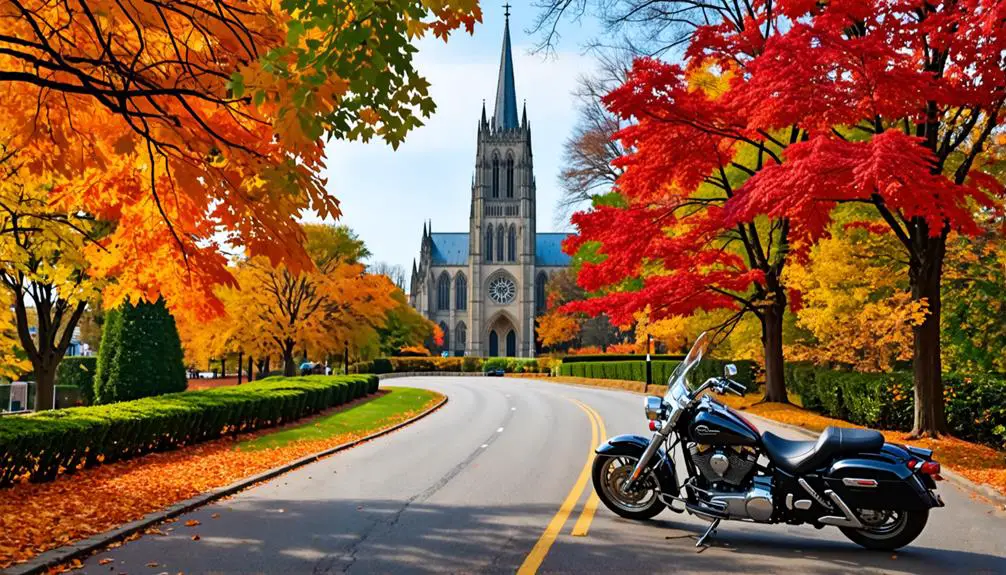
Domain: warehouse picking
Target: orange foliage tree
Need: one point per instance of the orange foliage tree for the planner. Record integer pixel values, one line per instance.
(184, 122)
(277, 310)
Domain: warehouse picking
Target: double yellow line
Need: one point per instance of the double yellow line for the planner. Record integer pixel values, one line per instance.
(537, 555)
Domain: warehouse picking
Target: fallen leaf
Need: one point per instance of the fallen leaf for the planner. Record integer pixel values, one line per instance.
(195, 537)
(152, 564)
(215, 516)
(105, 561)
(193, 522)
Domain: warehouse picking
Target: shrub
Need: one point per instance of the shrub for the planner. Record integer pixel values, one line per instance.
(975, 404)
(471, 364)
(140, 355)
(78, 371)
(619, 357)
(39, 446)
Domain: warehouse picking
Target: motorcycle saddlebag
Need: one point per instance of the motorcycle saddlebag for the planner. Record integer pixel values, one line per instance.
(878, 481)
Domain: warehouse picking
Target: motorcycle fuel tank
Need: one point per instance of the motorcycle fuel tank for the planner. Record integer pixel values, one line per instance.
(719, 426)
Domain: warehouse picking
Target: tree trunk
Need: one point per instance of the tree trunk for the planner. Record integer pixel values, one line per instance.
(45, 386)
(771, 338)
(925, 277)
(289, 369)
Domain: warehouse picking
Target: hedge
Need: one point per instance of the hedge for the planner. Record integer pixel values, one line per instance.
(78, 371)
(585, 358)
(662, 370)
(39, 446)
(975, 404)
(447, 364)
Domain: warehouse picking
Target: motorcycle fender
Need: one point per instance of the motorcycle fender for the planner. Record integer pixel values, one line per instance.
(896, 487)
(634, 446)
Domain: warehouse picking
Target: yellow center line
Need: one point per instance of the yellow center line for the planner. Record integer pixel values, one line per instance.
(537, 555)
(582, 525)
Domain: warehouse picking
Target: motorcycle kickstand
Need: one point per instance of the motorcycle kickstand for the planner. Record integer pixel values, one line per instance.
(709, 531)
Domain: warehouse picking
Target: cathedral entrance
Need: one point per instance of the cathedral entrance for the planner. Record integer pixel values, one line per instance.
(502, 336)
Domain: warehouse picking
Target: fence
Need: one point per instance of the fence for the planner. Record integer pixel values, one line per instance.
(19, 397)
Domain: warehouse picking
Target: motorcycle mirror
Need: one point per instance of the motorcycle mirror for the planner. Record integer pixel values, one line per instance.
(729, 370)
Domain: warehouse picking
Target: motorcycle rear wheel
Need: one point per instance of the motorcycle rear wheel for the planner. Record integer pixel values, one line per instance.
(898, 529)
(610, 473)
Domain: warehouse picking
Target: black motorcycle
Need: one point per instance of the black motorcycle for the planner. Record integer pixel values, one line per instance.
(879, 494)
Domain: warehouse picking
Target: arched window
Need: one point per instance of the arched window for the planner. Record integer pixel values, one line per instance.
(460, 339)
(496, 177)
(511, 343)
(509, 177)
(511, 243)
(494, 344)
(500, 242)
(444, 292)
(489, 243)
(540, 298)
(460, 292)
(447, 336)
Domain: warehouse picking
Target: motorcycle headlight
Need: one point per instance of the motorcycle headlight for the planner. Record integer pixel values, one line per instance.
(653, 407)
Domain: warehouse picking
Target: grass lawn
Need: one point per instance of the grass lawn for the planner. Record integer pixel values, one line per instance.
(364, 416)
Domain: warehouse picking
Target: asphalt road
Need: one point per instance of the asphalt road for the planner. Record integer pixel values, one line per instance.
(488, 484)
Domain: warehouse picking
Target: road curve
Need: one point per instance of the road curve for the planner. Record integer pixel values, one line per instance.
(488, 484)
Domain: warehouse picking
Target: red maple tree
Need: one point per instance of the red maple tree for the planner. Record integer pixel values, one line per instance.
(888, 103)
(690, 154)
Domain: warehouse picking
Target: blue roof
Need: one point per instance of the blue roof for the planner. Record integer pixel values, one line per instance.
(450, 249)
(505, 113)
(548, 250)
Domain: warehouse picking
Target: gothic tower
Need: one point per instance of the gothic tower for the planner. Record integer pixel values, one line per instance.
(502, 225)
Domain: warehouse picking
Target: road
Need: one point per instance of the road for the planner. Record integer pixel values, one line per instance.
(480, 486)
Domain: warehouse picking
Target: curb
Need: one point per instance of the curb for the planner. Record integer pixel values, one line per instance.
(963, 482)
(60, 555)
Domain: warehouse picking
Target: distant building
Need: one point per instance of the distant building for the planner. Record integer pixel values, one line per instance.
(484, 287)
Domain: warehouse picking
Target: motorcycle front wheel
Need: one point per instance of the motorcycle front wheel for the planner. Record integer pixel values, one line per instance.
(888, 530)
(610, 474)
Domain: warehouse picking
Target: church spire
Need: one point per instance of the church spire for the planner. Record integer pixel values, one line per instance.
(505, 113)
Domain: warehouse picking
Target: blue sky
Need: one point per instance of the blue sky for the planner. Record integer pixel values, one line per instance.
(386, 195)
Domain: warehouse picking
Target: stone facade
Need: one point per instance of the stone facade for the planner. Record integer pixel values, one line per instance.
(486, 286)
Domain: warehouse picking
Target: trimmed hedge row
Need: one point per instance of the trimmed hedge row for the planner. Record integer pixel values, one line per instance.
(589, 357)
(41, 445)
(78, 371)
(447, 364)
(662, 370)
(975, 404)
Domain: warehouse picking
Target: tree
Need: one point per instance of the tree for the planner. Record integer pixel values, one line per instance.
(45, 274)
(668, 242)
(559, 327)
(589, 154)
(854, 305)
(141, 354)
(187, 122)
(402, 327)
(395, 273)
(322, 309)
(895, 104)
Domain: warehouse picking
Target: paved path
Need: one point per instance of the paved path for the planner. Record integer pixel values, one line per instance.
(473, 488)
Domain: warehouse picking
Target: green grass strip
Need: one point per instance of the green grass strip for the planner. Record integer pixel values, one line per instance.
(368, 416)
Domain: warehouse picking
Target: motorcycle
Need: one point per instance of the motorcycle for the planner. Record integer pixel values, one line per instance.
(878, 494)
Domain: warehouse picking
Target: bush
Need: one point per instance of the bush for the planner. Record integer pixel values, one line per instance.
(605, 357)
(975, 404)
(140, 354)
(418, 364)
(40, 445)
(78, 371)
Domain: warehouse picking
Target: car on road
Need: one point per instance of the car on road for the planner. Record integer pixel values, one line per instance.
(494, 372)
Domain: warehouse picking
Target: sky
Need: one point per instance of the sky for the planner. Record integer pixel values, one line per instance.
(386, 195)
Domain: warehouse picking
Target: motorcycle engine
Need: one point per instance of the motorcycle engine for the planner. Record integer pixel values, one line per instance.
(730, 464)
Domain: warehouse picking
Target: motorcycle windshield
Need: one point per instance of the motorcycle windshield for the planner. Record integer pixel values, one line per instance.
(693, 358)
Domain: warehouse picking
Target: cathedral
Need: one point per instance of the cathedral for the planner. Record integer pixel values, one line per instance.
(485, 286)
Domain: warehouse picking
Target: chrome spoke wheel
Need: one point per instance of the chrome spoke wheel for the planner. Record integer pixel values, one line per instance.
(615, 472)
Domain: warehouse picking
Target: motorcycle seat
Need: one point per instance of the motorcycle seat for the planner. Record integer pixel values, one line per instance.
(798, 457)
